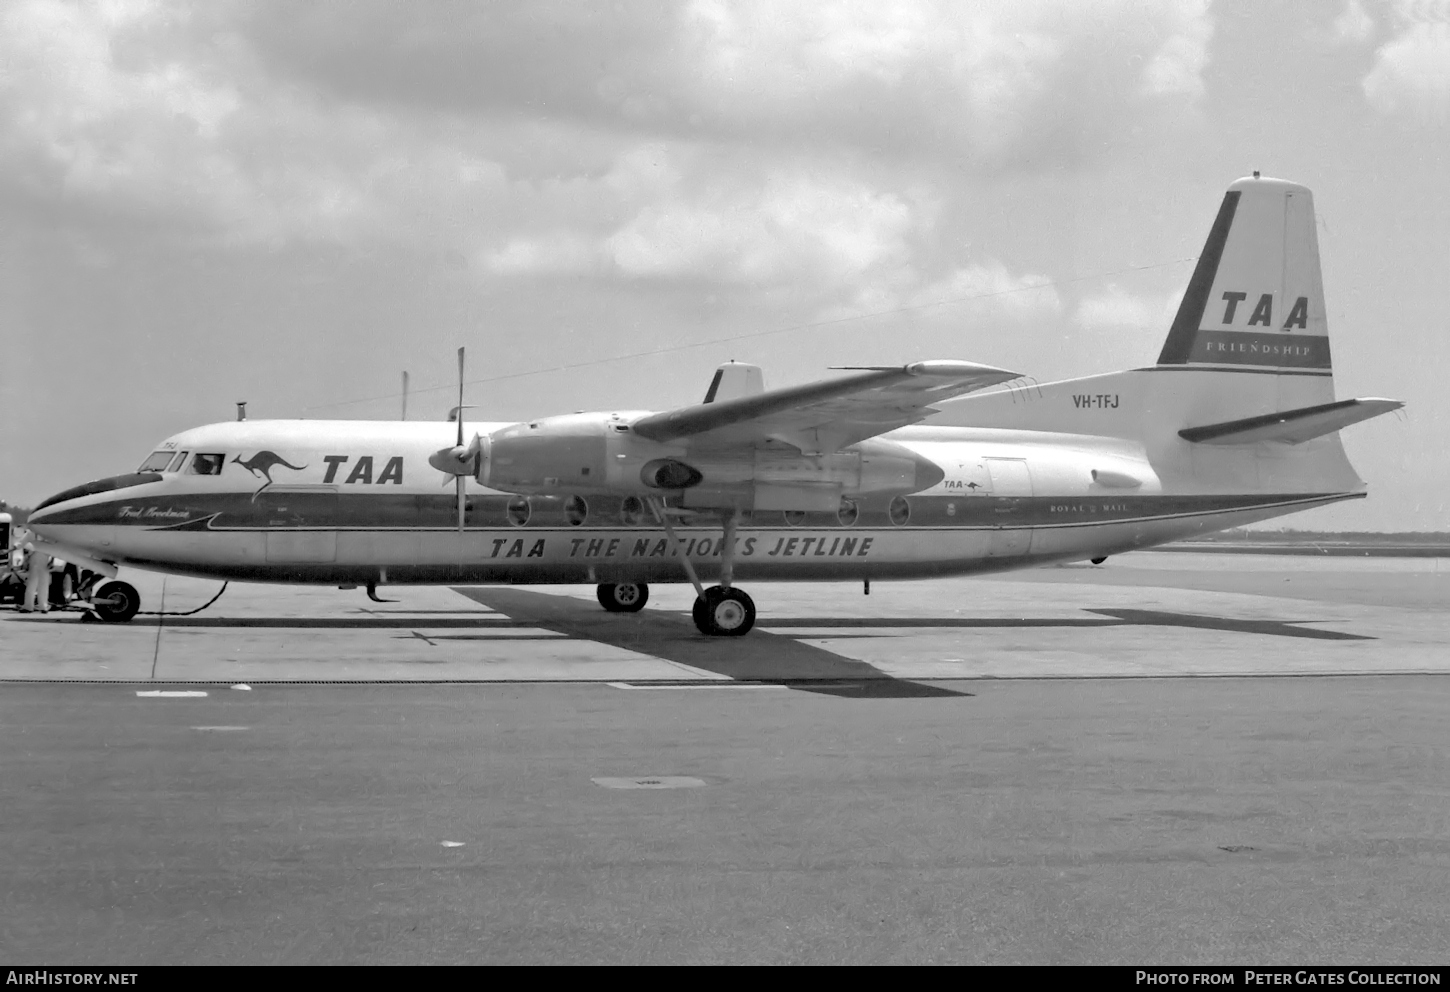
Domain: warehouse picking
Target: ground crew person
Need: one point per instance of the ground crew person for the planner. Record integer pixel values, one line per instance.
(37, 581)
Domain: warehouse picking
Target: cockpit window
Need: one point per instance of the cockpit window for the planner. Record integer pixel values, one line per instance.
(157, 461)
(178, 462)
(204, 464)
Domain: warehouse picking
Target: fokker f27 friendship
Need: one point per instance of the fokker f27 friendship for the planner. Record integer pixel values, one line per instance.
(884, 473)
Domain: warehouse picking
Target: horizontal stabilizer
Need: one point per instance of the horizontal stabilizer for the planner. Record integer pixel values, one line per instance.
(1291, 426)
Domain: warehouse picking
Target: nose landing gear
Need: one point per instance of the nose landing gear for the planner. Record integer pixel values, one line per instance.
(623, 597)
(116, 602)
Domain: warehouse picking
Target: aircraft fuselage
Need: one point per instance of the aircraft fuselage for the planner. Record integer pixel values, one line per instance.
(357, 502)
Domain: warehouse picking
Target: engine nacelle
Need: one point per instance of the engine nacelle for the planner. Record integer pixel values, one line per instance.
(555, 454)
(597, 452)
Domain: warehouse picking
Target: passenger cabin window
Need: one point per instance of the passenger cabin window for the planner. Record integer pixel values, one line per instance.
(157, 461)
(203, 464)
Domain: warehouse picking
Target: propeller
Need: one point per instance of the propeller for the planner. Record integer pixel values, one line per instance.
(458, 444)
(458, 461)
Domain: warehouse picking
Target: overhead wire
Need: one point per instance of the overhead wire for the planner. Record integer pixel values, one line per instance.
(686, 346)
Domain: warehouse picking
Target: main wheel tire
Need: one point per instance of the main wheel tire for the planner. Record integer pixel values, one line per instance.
(62, 586)
(1099, 561)
(623, 597)
(116, 602)
(724, 612)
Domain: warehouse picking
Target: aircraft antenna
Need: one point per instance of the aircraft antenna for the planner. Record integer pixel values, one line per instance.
(405, 395)
(461, 482)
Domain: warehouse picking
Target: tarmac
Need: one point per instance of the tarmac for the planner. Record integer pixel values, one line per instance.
(1169, 759)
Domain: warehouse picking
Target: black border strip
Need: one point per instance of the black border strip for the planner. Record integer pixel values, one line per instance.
(1210, 431)
(1197, 367)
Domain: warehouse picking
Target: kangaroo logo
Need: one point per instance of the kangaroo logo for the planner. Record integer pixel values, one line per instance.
(261, 465)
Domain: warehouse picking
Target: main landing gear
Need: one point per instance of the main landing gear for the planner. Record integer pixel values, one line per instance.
(720, 611)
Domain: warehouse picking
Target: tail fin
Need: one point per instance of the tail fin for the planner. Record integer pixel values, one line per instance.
(1256, 299)
(1250, 339)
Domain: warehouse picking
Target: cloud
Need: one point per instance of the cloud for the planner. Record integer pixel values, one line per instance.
(980, 80)
(906, 78)
(557, 253)
(1411, 74)
(736, 222)
(1120, 329)
(751, 145)
(986, 290)
(1115, 307)
(1176, 69)
(788, 227)
(1353, 25)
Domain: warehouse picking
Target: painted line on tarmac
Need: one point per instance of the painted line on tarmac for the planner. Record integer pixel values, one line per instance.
(221, 728)
(702, 684)
(171, 693)
(783, 683)
(650, 782)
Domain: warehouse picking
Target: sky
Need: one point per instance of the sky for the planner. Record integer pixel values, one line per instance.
(291, 203)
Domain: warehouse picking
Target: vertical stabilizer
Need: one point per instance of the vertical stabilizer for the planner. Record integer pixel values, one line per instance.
(1242, 396)
(1256, 299)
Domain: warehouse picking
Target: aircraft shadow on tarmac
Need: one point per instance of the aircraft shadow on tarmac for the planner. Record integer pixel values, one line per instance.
(762, 656)
(1120, 618)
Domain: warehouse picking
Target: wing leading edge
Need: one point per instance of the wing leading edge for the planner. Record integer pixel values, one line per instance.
(824, 416)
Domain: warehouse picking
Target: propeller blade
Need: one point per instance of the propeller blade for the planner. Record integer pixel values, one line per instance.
(461, 503)
(460, 405)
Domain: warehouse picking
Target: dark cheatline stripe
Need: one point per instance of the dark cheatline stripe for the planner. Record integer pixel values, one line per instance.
(410, 512)
(100, 486)
(1190, 312)
(1276, 350)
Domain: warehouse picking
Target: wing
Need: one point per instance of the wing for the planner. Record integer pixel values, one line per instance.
(824, 416)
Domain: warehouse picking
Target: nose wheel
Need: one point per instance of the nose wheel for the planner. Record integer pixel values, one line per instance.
(623, 597)
(116, 602)
(722, 612)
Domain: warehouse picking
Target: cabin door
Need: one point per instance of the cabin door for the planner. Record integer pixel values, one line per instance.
(300, 522)
(1011, 488)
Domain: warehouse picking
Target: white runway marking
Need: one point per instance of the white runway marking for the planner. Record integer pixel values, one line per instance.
(655, 782)
(171, 693)
(450, 843)
(221, 728)
(703, 684)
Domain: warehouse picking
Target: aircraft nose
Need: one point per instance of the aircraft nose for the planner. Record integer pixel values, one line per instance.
(58, 508)
(92, 488)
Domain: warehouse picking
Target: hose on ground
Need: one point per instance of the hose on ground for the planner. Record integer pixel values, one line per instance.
(157, 613)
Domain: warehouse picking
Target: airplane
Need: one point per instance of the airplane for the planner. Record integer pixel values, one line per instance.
(933, 468)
